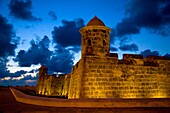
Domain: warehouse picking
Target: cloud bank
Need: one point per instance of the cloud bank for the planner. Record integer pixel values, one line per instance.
(21, 9)
(68, 34)
(149, 14)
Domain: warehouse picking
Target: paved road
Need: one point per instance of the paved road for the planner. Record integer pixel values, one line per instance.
(8, 104)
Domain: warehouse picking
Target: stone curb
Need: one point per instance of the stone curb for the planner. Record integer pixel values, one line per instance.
(92, 103)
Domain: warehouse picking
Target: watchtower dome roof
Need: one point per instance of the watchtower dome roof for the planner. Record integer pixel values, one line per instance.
(43, 67)
(95, 22)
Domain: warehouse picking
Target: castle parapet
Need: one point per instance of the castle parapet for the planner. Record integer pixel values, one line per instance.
(158, 58)
(52, 75)
(114, 55)
(135, 56)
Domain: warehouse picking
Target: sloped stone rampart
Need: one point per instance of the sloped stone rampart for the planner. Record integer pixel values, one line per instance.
(116, 102)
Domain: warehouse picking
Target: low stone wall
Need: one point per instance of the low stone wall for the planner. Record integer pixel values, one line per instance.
(117, 102)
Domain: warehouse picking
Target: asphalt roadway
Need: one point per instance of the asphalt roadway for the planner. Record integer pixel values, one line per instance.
(8, 104)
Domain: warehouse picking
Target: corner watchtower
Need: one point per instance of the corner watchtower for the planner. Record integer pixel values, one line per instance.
(95, 38)
(43, 71)
(40, 83)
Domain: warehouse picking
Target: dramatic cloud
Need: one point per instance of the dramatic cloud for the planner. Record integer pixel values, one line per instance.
(148, 52)
(52, 14)
(113, 49)
(8, 40)
(18, 78)
(29, 77)
(75, 49)
(151, 14)
(18, 73)
(61, 61)
(124, 46)
(124, 40)
(129, 47)
(38, 53)
(3, 69)
(167, 55)
(21, 82)
(68, 34)
(33, 70)
(22, 10)
(5, 73)
(126, 27)
(8, 44)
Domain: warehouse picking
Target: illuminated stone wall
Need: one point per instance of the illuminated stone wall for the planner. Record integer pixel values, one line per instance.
(51, 85)
(108, 77)
(42, 74)
(96, 76)
(75, 80)
(66, 85)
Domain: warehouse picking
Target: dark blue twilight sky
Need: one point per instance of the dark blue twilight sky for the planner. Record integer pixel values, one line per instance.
(46, 32)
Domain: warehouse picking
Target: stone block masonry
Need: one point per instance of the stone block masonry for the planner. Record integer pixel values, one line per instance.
(50, 85)
(108, 77)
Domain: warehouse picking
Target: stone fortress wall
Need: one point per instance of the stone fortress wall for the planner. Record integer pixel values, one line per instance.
(50, 85)
(100, 74)
(108, 77)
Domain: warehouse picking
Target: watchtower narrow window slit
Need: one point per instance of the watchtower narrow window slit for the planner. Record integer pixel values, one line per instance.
(104, 42)
(89, 42)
